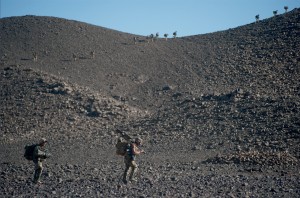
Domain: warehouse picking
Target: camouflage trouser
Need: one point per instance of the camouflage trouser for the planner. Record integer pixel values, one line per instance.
(129, 164)
(38, 168)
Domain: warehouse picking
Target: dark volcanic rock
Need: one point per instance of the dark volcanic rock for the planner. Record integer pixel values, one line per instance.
(219, 112)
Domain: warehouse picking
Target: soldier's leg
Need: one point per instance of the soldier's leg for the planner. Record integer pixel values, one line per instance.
(134, 168)
(38, 171)
(127, 166)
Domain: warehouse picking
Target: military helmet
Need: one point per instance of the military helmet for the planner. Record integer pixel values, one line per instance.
(43, 140)
(138, 140)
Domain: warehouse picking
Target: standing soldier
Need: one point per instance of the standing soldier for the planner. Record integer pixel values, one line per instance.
(34, 54)
(175, 34)
(39, 155)
(92, 54)
(129, 159)
(74, 57)
(135, 40)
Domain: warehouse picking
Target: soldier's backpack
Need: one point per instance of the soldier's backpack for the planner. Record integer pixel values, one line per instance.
(29, 149)
(121, 146)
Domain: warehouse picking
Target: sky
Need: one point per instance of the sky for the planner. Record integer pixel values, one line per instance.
(141, 17)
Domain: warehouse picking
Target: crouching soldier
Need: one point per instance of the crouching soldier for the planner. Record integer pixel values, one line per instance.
(39, 155)
(129, 159)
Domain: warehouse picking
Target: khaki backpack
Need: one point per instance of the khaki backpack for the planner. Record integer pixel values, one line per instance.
(121, 146)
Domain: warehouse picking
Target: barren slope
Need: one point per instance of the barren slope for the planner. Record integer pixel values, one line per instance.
(219, 112)
(245, 57)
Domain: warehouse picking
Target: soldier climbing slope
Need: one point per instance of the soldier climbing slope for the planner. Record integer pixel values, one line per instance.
(39, 155)
(130, 159)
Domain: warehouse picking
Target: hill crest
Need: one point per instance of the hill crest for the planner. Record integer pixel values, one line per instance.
(199, 64)
(216, 111)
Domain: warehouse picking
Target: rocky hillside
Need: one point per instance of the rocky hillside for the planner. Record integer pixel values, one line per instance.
(219, 112)
(245, 57)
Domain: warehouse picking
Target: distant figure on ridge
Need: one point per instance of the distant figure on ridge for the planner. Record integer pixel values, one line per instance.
(286, 8)
(152, 37)
(134, 40)
(92, 54)
(257, 18)
(166, 36)
(175, 34)
(34, 54)
(74, 57)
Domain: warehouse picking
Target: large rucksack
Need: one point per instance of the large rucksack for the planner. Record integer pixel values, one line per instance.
(121, 146)
(29, 149)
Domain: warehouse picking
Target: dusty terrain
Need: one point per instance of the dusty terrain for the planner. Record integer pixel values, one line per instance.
(219, 112)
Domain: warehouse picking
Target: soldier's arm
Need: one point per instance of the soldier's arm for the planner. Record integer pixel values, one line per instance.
(38, 153)
(136, 150)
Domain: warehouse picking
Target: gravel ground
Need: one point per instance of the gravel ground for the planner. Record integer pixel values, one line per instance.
(219, 113)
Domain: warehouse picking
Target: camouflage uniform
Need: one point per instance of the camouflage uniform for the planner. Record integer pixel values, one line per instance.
(129, 160)
(39, 155)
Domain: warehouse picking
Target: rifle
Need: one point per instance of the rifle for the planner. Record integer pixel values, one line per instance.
(123, 135)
